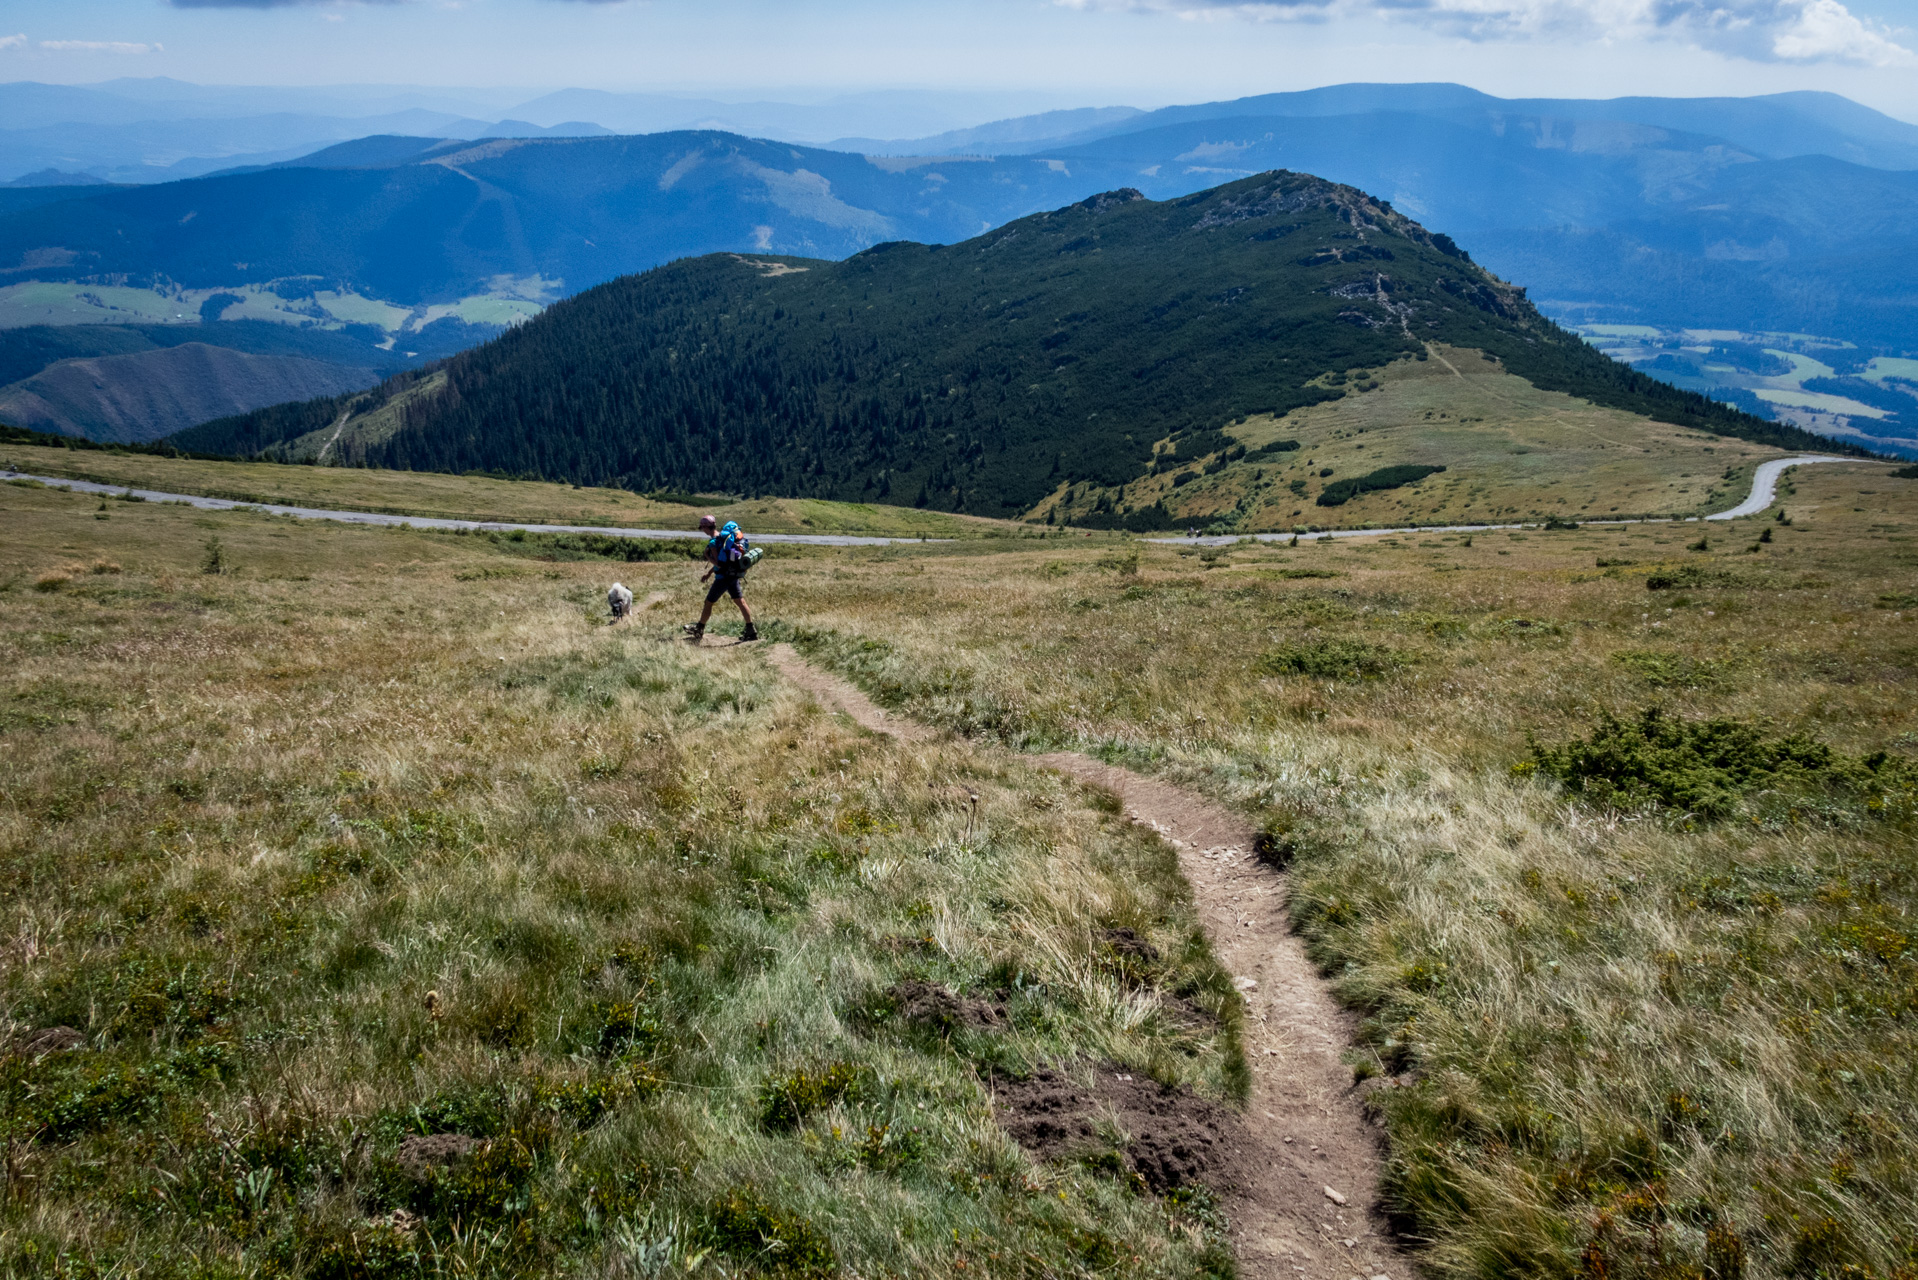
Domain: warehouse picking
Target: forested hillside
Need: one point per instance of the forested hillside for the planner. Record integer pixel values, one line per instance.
(1065, 347)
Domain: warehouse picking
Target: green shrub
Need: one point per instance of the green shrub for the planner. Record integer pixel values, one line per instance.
(1706, 767)
(626, 1027)
(744, 1226)
(1331, 660)
(784, 1103)
(1340, 492)
(1691, 576)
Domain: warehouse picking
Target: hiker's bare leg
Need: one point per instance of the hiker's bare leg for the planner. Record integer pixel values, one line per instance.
(744, 612)
(705, 613)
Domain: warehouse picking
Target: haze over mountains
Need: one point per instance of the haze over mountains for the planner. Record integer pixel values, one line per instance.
(159, 130)
(1759, 218)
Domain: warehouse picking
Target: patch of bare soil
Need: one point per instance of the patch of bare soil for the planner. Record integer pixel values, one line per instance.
(940, 1009)
(1301, 1183)
(35, 1044)
(423, 1152)
(1168, 1138)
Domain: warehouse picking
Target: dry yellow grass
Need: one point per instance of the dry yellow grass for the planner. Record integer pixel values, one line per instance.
(1632, 1042)
(1626, 1042)
(1511, 451)
(380, 834)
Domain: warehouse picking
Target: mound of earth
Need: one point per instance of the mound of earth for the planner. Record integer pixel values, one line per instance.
(937, 1008)
(1172, 1137)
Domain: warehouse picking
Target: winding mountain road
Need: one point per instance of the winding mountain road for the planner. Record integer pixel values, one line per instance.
(1765, 485)
(432, 522)
(1764, 488)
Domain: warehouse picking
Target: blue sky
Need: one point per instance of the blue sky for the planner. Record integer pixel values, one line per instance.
(1045, 52)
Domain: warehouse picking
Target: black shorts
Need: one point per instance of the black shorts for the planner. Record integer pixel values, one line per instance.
(724, 584)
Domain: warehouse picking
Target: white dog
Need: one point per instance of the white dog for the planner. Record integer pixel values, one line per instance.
(620, 601)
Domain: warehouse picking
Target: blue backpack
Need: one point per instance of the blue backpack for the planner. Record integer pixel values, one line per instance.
(735, 552)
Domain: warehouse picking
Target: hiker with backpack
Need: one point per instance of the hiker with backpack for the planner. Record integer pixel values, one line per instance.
(730, 553)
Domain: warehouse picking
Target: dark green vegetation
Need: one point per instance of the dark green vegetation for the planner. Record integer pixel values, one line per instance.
(1330, 659)
(1705, 767)
(160, 448)
(980, 377)
(1340, 492)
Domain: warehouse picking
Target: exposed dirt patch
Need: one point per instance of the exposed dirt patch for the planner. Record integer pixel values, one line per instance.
(1169, 1138)
(424, 1152)
(1128, 945)
(937, 1008)
(47, 1040)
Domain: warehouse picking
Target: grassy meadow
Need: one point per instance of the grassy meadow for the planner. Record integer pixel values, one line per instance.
(373, 909)
(1654, 1020)
(1511, 452)
(376, 835)
(419, 493)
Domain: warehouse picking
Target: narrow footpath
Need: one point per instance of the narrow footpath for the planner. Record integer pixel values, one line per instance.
(1308, 1206)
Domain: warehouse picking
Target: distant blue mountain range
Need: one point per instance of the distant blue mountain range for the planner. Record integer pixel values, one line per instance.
(1789, 213)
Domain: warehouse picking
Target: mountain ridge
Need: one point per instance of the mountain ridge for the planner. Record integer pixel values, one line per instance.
(1081, 345)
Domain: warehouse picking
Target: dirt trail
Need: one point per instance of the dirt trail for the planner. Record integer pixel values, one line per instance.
(1309, 1203)
(831, 690)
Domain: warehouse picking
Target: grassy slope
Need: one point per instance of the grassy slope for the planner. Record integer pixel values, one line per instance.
(1626, 1042)
(1511, 451)
(476, 497)
(384, 833)
(1619, 1031)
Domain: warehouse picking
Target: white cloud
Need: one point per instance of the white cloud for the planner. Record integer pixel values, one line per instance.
(13, 42)
(1759, 30)
(101, 46)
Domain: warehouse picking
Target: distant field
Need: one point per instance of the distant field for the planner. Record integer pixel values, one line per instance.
(62, 303)
(479, 498)
(1511, 452)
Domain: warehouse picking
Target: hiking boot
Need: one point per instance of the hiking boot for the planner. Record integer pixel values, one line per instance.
(750, 633)
(694, 630)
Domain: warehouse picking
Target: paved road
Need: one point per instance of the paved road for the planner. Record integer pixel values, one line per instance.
(1764, 487)
(429, 522)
